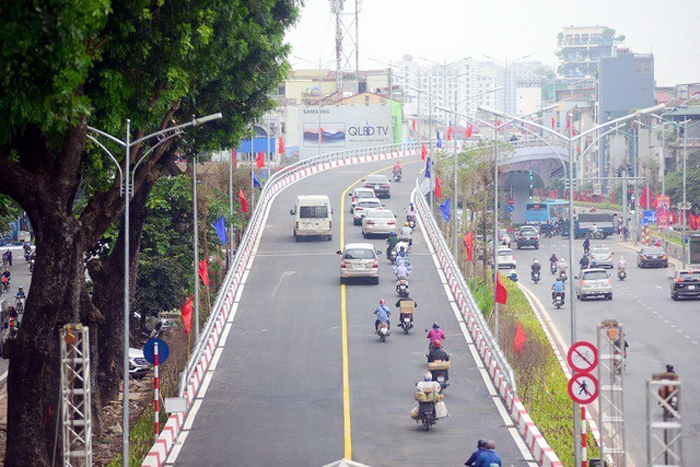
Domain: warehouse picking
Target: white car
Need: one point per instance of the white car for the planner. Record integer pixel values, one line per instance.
(362, 207)
(506, 258)
(378, 222)
(359, 260)
(358, 194)
(602, 256)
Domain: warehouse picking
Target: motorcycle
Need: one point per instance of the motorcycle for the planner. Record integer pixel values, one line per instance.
(622, 274)
(553, 268)
(5, 287)
(442, 377)
(562, 276)
(426, 414)
(392, 256)
(558, 300)
(31, 265)
(411, 221)
(405, 322)
(549, 233)
(397, 176)
(383, 331)
(19, 305)
(535, 275)
(402, 287)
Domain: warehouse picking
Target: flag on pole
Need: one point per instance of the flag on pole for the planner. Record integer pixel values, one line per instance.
(470, 128)
(438, 142)
(280, 145)
(427, 168)
(203, 271)
(260, 160)
(501, 292)
(186, 312)
(256, 180)
(242, 200)
(449, 131)
(438, 187)
(568, 124)
(553, 123)
(520, 339)
(413, 124)
(469, 245)
(423, 152)
(445, 209)
(234, 156)
(220, 227)
(320, 133)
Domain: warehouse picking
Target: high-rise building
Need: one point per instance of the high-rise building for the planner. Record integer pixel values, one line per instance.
(580, 48)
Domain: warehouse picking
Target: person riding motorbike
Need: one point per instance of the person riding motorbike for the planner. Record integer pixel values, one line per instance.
(584, 262)
(411, 216)
(553, 260)
(383, 313)
(563, 267)
(622, 263)
(535, 268)
(391, 241)
(403, 315)
(401, 270)
(405, 234)
(558, 288)
(435, 334)
(402, 253)
(397, 168)
(20, 297)
(594, 230)
(428, 384)
(6, 278)
(438, 353)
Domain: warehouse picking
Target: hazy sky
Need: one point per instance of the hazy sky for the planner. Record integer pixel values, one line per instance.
(506, 29)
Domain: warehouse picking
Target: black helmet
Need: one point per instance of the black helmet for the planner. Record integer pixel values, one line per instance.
(481, 443)
(669, 368)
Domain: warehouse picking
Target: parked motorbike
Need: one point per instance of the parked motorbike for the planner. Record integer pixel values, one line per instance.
(402, 287)
(405, 322)
(558, 300)
(622, 274)
(426, 414)
(397, 176)
(535, 275)
(383, 331)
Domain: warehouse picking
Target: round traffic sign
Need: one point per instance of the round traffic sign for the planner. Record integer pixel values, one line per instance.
(583, 388)
(149, 351)
(511, 201)
(582, 356)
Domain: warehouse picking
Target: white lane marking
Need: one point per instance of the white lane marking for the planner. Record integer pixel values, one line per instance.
(192, 415)
(205, 385)
(657, 286)
(176, 448)
(505, 416)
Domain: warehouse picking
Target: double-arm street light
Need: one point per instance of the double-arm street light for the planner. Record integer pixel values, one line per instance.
(571, 139)
(126, 182)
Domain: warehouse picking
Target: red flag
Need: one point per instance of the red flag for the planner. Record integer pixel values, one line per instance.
(469, 245)
(413, 124)
(233, 156)
(423, 152)
(449, 132)
(470, 128)
(438, 187)
(204, 272)
(553, 122)
(186, 312)
(612, 197)
(655, 201)
(674, 219)
(501, 292)
(320, 133)
(519, 340)
(260, 160)
(568, 125)
(243, 201)
(280, 145)
(692, 221)
(573, 132)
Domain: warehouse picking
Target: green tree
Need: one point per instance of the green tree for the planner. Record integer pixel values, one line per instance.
(64, 66)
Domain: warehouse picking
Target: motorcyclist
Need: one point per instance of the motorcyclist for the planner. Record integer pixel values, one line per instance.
(535, 268)
(594, 230)
(401, 270)
(7, 258)
(563, 267)
(405, 234)
(437, 352)
(429, 384)
(398, 305)
(397, 168)
(435, 334)
(411, 214)
(383, 313)
(622, 263)
(584, 262)
(391, 241)
(558, 288)
(20, 293)
(5, 278)
(402, 253)
(553, 260)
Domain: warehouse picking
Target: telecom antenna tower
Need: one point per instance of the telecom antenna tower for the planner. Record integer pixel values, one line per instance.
(347, 50)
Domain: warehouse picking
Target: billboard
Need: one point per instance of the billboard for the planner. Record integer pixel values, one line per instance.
(337, 128)
(663, 212)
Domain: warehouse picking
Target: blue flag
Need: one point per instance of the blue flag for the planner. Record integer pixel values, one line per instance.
(256, 181)
(220, 227)
(438, 143)
(445, 209)
(427, 167)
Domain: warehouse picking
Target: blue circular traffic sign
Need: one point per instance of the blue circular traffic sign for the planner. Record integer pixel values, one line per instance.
(149, 353)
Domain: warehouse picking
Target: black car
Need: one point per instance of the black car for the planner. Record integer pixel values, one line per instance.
(380, 184)
(685, 283)
(652, 256)
(528, 235)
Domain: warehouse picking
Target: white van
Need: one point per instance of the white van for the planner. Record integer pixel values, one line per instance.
(313, 217)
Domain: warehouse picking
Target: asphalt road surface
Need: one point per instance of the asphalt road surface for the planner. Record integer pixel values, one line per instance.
(658, 330)
(20, 277)
(277, 395)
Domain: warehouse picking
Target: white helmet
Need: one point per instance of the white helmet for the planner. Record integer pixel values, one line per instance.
(536, 260)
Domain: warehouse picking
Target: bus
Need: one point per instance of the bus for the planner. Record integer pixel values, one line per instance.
(542, 211)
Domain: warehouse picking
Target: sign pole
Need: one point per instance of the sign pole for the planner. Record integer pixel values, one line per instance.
(156, 391)
(584, 438)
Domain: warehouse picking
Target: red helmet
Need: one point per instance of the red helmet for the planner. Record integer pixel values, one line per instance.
(381, 301)
(437, 343)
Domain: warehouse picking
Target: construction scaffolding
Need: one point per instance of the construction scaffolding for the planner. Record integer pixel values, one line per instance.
(611, 370)
(664, 422)
(76, 396)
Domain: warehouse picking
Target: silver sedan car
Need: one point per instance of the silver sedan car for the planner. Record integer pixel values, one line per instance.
(378, 222)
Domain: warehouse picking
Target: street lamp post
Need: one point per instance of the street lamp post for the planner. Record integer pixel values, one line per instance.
(126, 175)
(572, 299)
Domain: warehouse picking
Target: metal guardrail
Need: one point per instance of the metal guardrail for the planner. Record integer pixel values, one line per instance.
(257, 218)
(438, 238)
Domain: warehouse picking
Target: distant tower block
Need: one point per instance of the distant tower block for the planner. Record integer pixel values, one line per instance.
(347, 50)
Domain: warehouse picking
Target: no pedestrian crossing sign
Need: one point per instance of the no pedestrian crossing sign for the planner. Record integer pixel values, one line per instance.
(583, 388)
